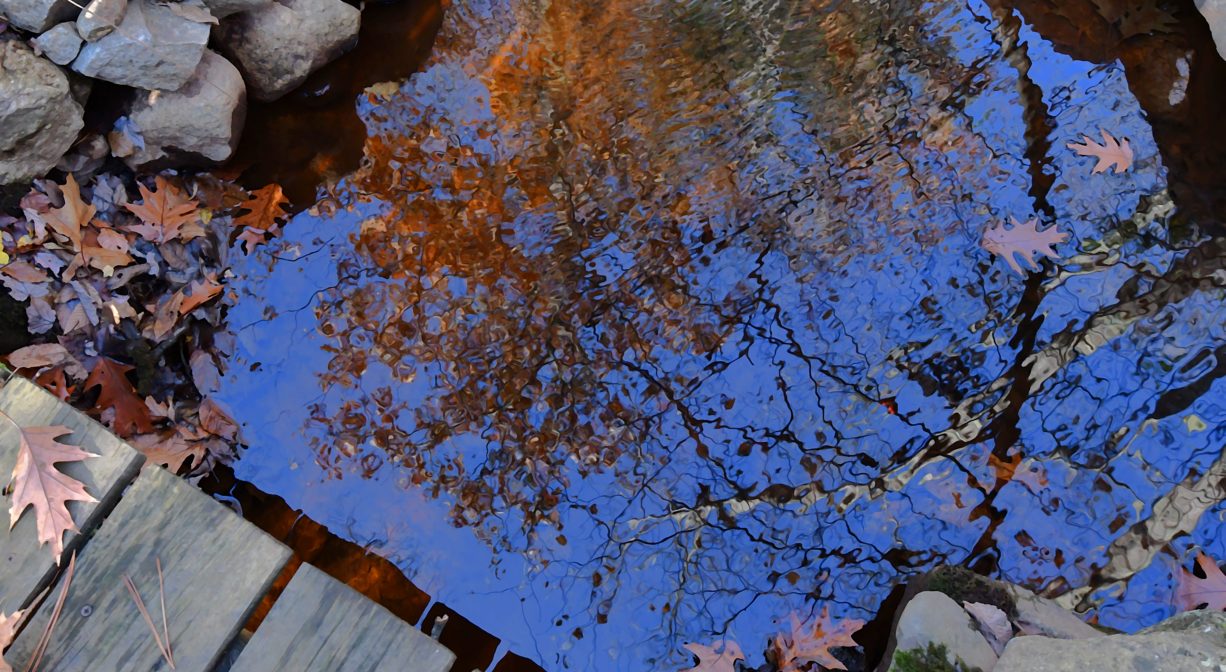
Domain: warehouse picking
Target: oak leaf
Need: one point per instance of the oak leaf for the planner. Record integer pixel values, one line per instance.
(198, 293)
(264, 212)
(812, 643)
(1111, 153)
(1025, 240)
(46, 355)
(1191, 592)
(171, 449)
(8, 632)
(165, 214)
(719, 658)
(117, 395)
(37, 483)
(68, 220)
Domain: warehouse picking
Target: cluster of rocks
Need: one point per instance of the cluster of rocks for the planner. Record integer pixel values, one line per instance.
(954, 621)
(187, 102)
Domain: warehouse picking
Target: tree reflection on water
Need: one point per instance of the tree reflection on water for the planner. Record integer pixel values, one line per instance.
(684, 301)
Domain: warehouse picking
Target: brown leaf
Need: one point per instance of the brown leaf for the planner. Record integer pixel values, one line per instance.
(165, 317)
(216, 421)
(131, 414)
(54, 382)
(8, 632)
(719, 658)
(37, 483)
(24, 271)
(165, 214)
(812, 643)
(68, 220)
(264, 211)
(198, 293)
(205, 373)
(1191, 592)
(46, 355)
(171, 449)
(1111, 152)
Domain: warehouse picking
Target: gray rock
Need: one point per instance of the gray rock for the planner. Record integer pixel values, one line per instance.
(60, 44)
(39, 120)
(201, 120)
(279, 45)
(933, 618)
(1215, 14)
(224, 8)
(100, 18)
(1190, 641)
(1040, 616)
(37, 16)
(154, 48)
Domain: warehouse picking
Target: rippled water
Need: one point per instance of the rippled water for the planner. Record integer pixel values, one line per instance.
(652, 321)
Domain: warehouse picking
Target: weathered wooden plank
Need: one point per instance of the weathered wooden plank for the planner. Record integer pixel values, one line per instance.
(216, 565)
(321, 625)
(26, 567)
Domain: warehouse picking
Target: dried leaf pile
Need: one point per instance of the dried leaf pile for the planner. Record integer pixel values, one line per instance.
(124, 285)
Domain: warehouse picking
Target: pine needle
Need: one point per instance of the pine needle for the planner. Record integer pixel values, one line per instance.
(37, 658)
(161, 640)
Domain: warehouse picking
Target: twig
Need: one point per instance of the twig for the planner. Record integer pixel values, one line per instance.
(163, 646)
(37, 658)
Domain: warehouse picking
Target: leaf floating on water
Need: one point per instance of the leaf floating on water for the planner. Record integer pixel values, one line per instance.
(1024, 240)
(721, 657)
(1111, 153)
(812, 643)
(37, 483)
(1191, 591)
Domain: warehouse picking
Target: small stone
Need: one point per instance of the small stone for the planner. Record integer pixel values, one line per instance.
(933, 618)
(60, 44)
(279, 45)
(1190, 641)
(154, 48)
(39, 120)
(37, 16)
(100, 18)
(203, 119)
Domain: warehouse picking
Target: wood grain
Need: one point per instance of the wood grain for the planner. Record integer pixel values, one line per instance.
(216, 565)
(26, 567)
(321, 625)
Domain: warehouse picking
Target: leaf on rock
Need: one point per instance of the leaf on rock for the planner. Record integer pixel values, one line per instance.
(37, 483)
(812, 643)
(117, 394)
(719, 658)
(1111, 152)
(1025, 240)
(993, 623)
(165, 214)
(264, 212)
(1191, 592)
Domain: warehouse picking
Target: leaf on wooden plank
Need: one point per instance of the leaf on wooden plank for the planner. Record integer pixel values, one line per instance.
(118, 395)
(1111, 153)
(68, 220)
(1191, 591)
(721, 657)
(8, 632)
(47, 355)
(165, 214)
(993, 623)
(170, 449)
(811, 643)
(1024, 240)
(37, 483)
(216, 421)
(264, 212)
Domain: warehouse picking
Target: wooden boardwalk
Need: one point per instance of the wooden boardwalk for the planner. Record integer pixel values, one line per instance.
(216, 566)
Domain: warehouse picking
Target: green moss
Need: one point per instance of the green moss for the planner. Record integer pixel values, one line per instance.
(963, 585)
(933, 659)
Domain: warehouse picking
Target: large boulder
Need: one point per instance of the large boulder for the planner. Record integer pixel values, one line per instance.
(37, 16)
(39, 119)
(1190, 641)
(932, 619)
(1041, 616)
(279, 45)
(156, 47)
(1215, 14)
(100, 18)
(202, 120)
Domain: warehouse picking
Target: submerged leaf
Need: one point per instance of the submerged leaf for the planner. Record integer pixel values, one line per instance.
(1025, 240)
(811, 643)
(1111, 152)
(719, 658)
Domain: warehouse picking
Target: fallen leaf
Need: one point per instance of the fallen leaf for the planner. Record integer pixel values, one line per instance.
(1025, 240)
(264, 211)
(812, 643)
(131, 414)
(205, 373)
(198, 293)
(46, 355)
(993, 623)
(1111, 152)
(75, 213)
(719, 658)
(54, 382)
(1191, 592)
(37, 483)
(165, 214)
(216, 421)
(170, 449)
(8, 632)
